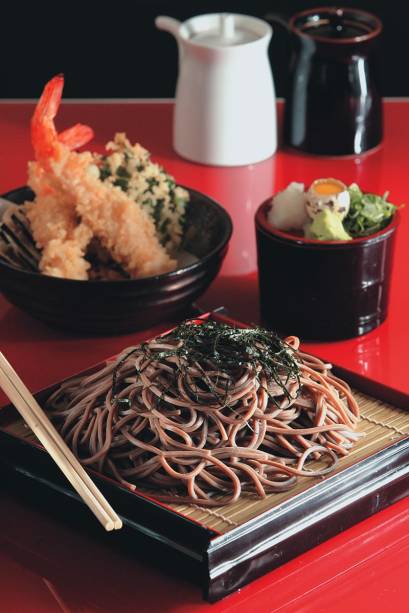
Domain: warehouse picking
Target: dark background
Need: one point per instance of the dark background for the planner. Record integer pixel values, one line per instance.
(114, 50)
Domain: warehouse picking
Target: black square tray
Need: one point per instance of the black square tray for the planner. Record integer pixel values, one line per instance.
(222, 563)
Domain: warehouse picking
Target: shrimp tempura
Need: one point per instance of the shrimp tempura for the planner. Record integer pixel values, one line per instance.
(72, 204)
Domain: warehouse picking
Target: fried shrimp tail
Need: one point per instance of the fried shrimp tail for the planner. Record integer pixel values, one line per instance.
(47, 143)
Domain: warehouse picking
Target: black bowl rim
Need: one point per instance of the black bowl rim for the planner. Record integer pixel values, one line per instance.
(228, 230)
(306, 243)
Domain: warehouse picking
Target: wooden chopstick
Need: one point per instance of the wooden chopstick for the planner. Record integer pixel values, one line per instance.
(44, 430)
(52, 441)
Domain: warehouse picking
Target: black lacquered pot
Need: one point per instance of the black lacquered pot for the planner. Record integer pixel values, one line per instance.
(322, 290)
(333, 105)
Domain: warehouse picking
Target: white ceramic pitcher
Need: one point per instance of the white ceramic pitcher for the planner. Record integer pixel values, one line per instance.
(225, 110)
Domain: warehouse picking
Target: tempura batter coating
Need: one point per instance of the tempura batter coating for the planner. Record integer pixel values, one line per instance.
(72, 204)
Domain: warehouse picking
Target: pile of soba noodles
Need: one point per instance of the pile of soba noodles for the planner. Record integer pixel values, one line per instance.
(208, 412)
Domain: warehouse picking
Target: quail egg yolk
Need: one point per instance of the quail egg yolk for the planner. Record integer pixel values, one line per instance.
(328, 187)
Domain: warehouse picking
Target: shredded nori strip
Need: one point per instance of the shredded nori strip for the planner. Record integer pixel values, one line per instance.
(228, 349)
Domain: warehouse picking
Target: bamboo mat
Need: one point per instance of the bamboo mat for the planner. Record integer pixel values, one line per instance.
(381, 423)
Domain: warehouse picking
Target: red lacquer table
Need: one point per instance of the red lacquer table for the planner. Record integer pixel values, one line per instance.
(46, 566)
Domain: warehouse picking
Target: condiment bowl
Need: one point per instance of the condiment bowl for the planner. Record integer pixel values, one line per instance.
(119, 306)
(323, 290)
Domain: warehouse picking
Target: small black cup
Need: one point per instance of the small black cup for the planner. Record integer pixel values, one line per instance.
(333, 106)
(322, 290)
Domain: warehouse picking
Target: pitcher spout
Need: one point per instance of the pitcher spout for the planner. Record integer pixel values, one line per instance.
(169, 24)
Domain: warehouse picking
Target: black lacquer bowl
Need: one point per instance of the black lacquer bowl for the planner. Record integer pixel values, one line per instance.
(119, 306)
(323, 290)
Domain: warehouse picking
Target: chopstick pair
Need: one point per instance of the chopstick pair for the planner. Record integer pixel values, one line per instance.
(41, 426)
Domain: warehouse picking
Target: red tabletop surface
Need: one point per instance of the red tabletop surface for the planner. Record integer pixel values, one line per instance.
(46, 566)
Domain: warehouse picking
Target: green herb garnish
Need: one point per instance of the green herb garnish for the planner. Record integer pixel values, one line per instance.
(152, 182)
(131, 169)
(157, 211)
(122, 183)
(104, 172)
(121, 171)
(368, 213)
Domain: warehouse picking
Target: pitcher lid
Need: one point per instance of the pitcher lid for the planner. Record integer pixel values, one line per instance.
(224, 30)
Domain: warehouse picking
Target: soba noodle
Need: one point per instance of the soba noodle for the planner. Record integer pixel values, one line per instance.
(208, 412)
